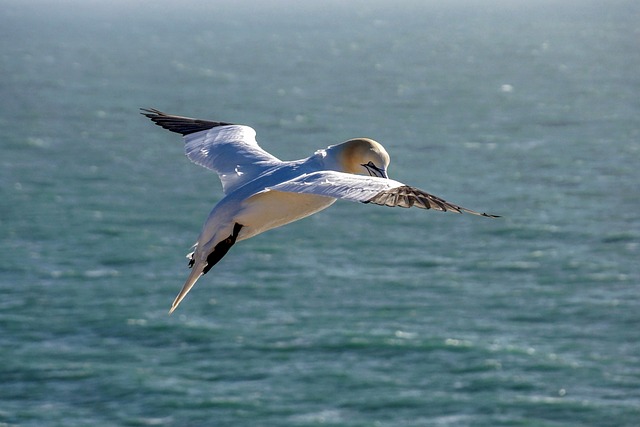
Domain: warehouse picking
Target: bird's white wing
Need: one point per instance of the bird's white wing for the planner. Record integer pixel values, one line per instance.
(232, 152)
(368, 189)
(227, 149)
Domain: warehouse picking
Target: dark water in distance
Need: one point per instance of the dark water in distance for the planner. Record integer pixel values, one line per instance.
(360, 315)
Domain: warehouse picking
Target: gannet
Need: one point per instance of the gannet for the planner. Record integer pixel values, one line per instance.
(263, 192)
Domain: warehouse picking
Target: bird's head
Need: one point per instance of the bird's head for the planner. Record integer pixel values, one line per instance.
(361, 156)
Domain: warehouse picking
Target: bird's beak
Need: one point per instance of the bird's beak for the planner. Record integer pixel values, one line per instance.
(381, 173)
(375, 171)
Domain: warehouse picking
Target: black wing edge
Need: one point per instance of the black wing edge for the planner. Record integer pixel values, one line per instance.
(406, 197)
(178, 124)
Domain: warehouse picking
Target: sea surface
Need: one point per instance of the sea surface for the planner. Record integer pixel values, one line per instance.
(360, 315)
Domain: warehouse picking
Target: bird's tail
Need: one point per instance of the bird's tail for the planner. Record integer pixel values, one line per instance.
(197, 270)
(199, 266)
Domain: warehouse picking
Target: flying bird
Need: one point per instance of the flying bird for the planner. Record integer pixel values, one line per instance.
(263, 192)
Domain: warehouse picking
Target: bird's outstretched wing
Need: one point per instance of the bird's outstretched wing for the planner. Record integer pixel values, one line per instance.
(367, 189)
(227, 149)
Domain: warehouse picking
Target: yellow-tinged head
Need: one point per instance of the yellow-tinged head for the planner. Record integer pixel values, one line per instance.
(362, 156)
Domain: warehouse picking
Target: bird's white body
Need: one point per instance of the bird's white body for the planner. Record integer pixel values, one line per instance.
(258, 208)
(263, 192)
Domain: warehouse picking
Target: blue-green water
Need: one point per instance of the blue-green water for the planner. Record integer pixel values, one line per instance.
(360, 315)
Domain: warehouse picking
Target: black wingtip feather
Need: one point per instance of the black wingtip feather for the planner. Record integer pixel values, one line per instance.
(178, 124)
(406, 197)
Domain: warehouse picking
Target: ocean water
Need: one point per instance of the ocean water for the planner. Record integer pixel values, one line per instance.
(360, 315)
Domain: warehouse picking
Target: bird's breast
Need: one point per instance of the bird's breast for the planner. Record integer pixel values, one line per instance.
(271, 209)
